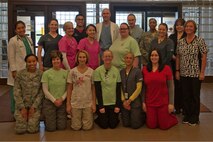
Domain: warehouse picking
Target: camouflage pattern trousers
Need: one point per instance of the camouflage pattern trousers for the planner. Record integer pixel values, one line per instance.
(31, 125)
(55, 118)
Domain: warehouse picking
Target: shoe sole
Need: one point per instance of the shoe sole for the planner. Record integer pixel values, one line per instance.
(190, 124)
(185, 122)
(194, 124)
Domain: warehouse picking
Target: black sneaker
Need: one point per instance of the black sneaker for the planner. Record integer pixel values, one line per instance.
(193, 123)
(185, 120)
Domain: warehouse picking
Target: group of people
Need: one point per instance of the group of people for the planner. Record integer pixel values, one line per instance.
(98, 69)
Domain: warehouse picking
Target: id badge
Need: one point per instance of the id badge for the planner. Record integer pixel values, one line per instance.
(126, 96)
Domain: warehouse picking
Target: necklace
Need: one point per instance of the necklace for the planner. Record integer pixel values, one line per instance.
(128, 70)
(160, 40)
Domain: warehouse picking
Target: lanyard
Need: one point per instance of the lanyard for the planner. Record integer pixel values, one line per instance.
(126, 79)
(27, 46)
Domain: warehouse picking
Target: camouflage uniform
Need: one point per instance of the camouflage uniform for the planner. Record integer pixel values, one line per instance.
(27, 94)
(55, 117)
(145, 45)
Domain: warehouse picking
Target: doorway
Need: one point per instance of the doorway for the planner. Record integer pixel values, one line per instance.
(163, 13)
(37, 18)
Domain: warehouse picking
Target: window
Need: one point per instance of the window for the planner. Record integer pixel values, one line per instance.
(91, 13)
(39, 28)
(64, 16)
(3, 39)
(92, 10)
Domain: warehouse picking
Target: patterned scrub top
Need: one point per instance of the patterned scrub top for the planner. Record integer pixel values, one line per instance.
(189, 52)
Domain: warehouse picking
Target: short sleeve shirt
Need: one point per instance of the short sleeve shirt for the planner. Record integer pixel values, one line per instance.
(145, 45)
(136, 33)
(82, 87)
(166, 48)
(69, 46)
(109, 80)
(93, 50)
(156, 90)
(188, 53)
(120, 48)
(48, 43)
(105, 37)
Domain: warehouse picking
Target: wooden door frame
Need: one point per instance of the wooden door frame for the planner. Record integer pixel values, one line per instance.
(39, 5)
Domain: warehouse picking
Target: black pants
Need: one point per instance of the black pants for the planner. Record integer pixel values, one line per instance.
(191, 97)
(178, 96)
(109, 119)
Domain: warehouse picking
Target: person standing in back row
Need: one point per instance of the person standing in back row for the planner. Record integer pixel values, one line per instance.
(164, 44)
(18, 47)
(48, 42)
(135, 31)
(146, 39)
(122, 45)
(190, 70)
(91, 45)
(68, 46)
(79, 31)
(178, 34)
(107, 31)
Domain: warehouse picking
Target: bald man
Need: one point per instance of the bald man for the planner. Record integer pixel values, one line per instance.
(107, 31)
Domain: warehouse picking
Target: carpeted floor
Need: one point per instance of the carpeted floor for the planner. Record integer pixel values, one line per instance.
(5, 113)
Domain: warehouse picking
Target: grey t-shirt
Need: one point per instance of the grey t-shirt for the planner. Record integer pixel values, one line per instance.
(166, 48)
(136, 33)
(105, 38)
